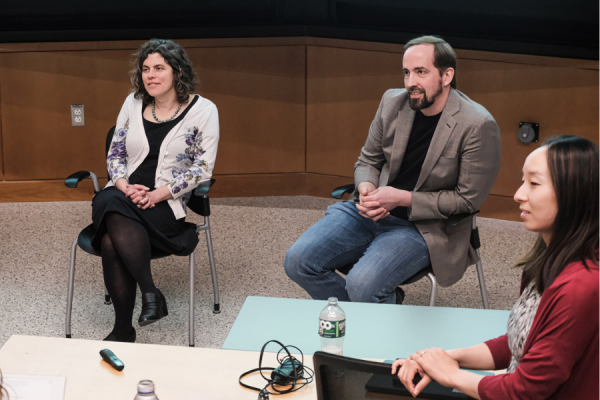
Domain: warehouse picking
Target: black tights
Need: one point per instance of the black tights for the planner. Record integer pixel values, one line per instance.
(125, 262)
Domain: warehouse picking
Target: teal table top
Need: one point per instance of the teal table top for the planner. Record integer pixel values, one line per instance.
(379, 331)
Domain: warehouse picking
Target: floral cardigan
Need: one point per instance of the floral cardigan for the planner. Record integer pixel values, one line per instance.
(187, 154)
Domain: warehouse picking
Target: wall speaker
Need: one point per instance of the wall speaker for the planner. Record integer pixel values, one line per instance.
(529, 132)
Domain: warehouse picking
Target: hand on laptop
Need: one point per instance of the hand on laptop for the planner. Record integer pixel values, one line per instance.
(407, 369)
(445, 370)
(438, 364)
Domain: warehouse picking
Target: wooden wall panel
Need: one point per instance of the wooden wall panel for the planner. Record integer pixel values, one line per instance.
(562, 100)
(260, 94)
(37, 90)
(344, 88)
(287, 184)
(500, 207)
(46, 190)
(1, 149)
(294, 112)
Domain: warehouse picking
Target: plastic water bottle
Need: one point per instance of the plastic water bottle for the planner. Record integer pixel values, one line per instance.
(146, 391)
(332, 328)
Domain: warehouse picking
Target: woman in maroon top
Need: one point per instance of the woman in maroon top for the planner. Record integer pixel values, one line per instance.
(551, 348)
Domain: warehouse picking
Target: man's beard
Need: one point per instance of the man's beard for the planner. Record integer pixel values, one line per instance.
(425, 101)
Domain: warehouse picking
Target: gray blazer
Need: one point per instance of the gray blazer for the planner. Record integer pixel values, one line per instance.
(458, 173)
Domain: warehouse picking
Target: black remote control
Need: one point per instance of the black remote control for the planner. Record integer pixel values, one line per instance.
(113, 360)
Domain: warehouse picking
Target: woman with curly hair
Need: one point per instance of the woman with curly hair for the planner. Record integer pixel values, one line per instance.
(550, 350)
(164, 145)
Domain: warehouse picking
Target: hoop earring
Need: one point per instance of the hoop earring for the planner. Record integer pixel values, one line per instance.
(179, 87)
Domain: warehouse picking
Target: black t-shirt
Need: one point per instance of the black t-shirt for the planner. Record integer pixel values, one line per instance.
(416, 150)
(156, 133)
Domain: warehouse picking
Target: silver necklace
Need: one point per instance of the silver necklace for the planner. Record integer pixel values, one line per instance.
(166, 120)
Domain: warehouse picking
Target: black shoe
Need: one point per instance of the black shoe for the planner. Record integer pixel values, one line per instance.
(154, 307)
(113, 338)
(399, 295)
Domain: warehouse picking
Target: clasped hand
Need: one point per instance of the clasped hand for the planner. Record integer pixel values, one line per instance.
(140, 195)
(376, 203)
(430, 364)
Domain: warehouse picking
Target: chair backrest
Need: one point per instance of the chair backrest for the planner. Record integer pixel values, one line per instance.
(109, 136)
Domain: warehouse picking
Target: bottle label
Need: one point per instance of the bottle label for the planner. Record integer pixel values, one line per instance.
(332, 329)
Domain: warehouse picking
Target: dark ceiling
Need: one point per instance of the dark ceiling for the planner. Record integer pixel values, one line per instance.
(541, 27)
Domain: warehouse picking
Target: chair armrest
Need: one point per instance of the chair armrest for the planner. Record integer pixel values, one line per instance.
(338, 192)
(199, 202)
(203, 188)
(454, 219)
(73, 180)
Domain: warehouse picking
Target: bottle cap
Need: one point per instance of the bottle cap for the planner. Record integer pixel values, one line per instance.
(146, 387)
(333, 300)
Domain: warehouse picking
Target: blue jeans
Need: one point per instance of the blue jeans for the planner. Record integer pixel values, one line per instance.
(384, 253)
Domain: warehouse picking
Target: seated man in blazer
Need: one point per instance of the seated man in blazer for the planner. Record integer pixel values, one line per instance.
(431, 152)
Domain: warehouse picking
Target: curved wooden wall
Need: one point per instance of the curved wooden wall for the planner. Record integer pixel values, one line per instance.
(294, 112)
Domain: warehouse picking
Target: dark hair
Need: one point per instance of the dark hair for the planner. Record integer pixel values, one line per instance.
(184, 77)
(444, 56)
(573, 165)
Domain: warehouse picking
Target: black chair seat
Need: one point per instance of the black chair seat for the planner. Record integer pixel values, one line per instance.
(422, 273)
(84, 240)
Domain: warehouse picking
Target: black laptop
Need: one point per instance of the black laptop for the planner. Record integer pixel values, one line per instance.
(345, 378)
(390, 384)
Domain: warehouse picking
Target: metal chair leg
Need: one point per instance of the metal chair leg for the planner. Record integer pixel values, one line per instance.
(107, 299)
(213, 268)
(192, 321)
(433, 282)
(482, 288)
(70, 287)
(479, 266)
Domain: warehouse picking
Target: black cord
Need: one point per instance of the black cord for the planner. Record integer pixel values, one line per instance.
(264, 393)
(301, 375)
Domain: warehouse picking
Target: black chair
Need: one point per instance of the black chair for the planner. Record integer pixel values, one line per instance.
(453, 220)
(199, 203)
(345, 378)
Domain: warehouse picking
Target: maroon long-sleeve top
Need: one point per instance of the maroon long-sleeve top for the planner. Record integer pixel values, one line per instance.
(560, 358)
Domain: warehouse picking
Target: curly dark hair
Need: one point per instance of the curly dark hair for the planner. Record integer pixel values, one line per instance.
(184, 77)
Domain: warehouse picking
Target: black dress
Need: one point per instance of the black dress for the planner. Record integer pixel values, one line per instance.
(167, 234)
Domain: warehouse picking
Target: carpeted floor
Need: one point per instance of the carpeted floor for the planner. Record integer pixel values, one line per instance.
(250, 235)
